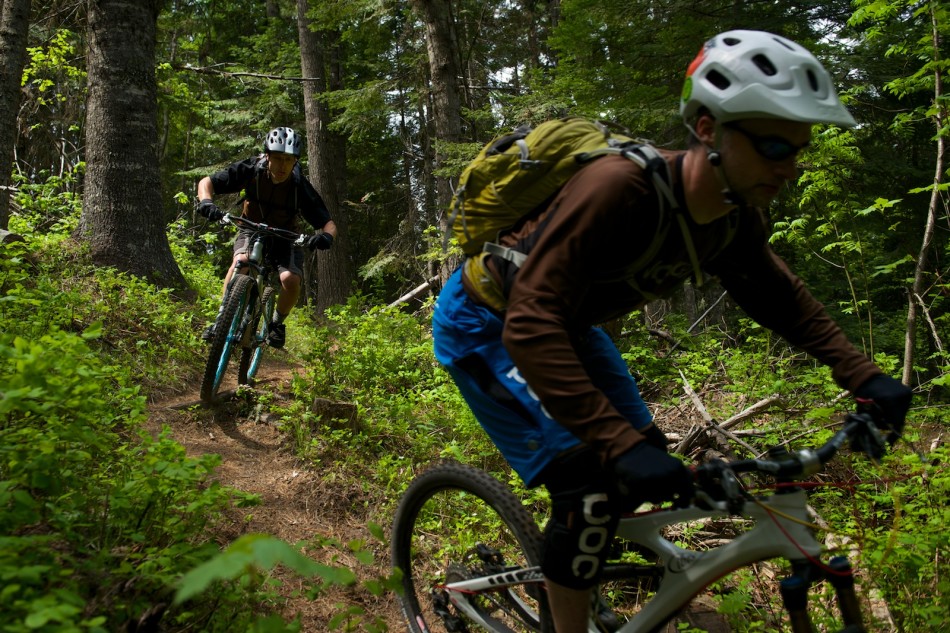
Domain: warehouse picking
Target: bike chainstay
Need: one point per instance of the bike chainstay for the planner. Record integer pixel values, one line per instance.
(483, 561)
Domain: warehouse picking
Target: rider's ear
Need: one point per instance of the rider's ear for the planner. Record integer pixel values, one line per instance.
(705, 129)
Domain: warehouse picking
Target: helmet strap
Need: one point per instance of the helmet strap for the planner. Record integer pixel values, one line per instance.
(714, 156)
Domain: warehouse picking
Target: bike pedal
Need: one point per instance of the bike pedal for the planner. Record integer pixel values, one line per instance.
(489, 555)
(276, 335)
(606, 620)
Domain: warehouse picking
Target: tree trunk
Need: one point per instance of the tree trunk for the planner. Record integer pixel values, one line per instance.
(917, 290)
(327, 151)
(445, 102)
(14, 26)
(122, 208)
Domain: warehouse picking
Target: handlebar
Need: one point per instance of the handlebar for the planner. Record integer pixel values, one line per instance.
(716, 479)
(243, 223)
(807, 462)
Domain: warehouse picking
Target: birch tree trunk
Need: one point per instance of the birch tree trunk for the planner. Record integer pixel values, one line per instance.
(920, 269)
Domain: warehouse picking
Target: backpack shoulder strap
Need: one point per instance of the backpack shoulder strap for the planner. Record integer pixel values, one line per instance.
(656, 166)
(253, 193)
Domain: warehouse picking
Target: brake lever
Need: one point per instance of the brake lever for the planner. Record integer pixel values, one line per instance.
(716, 482)
(868, 439)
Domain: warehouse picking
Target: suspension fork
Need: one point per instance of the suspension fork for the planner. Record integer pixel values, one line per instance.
(838, 572)
(842, 579)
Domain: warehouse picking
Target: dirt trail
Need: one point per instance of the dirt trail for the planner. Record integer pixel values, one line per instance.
(296, 504)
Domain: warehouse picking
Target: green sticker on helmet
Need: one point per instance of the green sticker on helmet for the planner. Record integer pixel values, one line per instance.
(687, 88)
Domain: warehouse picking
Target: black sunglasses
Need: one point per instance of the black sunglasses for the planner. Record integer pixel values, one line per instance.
(774, 148)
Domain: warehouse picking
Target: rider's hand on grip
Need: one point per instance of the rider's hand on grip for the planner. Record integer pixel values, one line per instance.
(321, 241)
(210, 210)
(887, 400)
(648, 473)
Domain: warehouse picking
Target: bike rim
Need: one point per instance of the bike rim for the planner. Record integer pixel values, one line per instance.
(233, 337)
(455, 536)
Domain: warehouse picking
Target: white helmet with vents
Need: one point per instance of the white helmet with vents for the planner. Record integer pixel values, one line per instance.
(283, 139)
(754, 74)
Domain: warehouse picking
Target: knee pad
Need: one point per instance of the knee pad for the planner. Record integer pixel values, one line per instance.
(577, 538)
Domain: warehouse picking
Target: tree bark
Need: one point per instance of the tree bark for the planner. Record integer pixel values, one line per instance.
(327, 150)
(445, 102)
(14, 27)
(122, 208)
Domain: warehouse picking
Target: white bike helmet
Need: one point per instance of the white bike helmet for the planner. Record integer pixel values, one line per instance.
(283, 139)
(753, 74)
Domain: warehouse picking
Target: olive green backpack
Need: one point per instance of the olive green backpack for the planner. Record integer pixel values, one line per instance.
(515, 173)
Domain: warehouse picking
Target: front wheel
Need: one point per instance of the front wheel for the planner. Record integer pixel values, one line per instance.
(228, 332)
(469, 554)
(252, 354)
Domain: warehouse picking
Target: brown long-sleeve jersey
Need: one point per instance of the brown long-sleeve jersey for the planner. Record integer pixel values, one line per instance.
(583, 269)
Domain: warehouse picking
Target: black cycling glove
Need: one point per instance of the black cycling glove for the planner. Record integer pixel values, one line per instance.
(656, 437)
(648, 473)
(888, 400)
(321, 241)
(210, 210)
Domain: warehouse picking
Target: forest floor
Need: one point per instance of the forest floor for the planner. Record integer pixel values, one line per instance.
(296, 503)
(299, 504)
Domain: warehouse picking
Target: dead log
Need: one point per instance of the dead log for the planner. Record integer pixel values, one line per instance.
(712, 431)
(415, 292)
(6, 237)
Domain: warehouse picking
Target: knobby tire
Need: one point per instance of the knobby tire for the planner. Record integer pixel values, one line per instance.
(227, 335)
(251, 355)
(444, 520)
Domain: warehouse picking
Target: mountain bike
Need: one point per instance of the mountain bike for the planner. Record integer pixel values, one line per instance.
(469, 551)
(247, 307)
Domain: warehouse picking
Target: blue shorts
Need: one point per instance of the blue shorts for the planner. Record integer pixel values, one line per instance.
(467, 339)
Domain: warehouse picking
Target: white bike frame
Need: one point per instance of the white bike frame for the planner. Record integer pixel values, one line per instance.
(687, 572)
(779, 532)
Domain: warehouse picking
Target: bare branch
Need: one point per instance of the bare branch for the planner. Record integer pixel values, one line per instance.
(930, 322)
(709, 421)
(210, 70)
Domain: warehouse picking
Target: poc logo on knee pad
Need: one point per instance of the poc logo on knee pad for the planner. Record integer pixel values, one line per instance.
(592, 538)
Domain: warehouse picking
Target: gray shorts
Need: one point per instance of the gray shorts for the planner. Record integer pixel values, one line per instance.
(283, 254)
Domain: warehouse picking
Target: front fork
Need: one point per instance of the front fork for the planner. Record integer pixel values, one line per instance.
(838, 572)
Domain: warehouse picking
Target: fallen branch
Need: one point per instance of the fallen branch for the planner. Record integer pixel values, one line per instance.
(750, 411)
(415, 292)
(696, 432)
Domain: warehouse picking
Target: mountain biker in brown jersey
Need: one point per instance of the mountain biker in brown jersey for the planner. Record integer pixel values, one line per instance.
(275, 193)
(552, 390)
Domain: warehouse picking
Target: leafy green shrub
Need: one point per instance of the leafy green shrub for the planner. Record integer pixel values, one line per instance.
(94, 529)
(138, 325)
(903, 535)
(382, 359)
(98, 520)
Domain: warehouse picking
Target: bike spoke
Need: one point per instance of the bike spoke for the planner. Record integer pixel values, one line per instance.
(448, 542)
